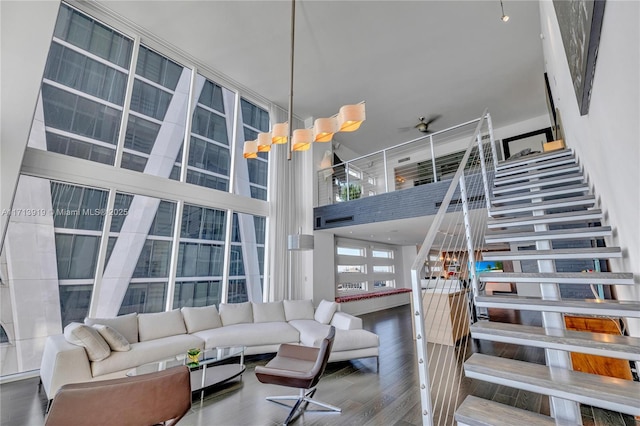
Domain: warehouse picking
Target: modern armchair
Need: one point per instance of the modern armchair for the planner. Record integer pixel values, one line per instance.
(298, 367)
(148, 399)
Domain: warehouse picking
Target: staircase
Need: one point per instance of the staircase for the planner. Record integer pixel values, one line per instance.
(544, 201)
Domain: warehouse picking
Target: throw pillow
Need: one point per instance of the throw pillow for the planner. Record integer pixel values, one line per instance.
(325, 311)
(268, 312)
(127, 325)
(115, 340)
(298, 309)
(161, 324)
(236, 313)
(201, 318)
(89, 338)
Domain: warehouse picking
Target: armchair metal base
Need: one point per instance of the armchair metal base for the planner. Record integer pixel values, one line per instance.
(302, 401)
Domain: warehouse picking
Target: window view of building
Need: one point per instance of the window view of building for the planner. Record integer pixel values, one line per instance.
(108, 250)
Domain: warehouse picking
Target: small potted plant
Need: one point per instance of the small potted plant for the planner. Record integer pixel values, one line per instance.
(192, 355)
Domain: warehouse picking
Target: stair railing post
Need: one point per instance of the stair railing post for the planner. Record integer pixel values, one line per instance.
(494, 153)
(421, 348)
(346, 169)
(475, 287)
(386, 175)
(485, 180)
(433, 159)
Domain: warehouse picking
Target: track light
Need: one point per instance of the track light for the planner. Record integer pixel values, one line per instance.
(503, 18)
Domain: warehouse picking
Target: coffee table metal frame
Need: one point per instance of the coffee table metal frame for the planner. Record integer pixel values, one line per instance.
(206, 373)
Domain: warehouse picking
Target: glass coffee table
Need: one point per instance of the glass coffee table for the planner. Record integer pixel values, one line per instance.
(209, 370)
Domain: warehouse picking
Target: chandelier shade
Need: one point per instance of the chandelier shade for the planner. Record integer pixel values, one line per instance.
(301, 140)
(324, 128)
(264, 142)
(348, 119)
(279, 133)
(351, 117)
(250, 149)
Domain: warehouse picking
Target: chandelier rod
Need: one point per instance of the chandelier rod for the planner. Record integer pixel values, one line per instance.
(293, 31)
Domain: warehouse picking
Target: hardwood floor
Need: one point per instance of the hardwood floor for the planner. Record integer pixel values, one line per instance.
(366, 396)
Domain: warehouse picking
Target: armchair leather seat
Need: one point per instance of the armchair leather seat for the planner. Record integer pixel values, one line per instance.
(298, 367)
(148, 399)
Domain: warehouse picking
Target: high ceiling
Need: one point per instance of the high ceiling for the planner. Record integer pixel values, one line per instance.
(404, 58)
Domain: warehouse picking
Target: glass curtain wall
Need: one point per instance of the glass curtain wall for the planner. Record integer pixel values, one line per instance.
(109, 100)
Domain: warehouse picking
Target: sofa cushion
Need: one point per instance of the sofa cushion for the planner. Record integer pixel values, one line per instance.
(311, 331)
(348, 340)
(253, 334)
(127, 325)
(145, 352)
(161, 324)
(115, 340)
(89, 338)
(268, 312)
(325, 311)
(298, 309)
(236, 313)
(201, 318)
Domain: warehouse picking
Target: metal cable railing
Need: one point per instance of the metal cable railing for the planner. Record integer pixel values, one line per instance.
(430, 158)
(444, 279)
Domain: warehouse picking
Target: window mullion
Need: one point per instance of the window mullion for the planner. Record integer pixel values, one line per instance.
(173, 260)
(227, 257)
(102, 254)
(127, 101)
(191, 107)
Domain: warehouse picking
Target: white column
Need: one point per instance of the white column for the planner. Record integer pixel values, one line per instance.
(32, 272)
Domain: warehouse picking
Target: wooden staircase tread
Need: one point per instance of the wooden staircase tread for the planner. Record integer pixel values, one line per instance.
(591, 389)
(614, 308)
(476, 411)
(535, 174)
(602, 344)
(566, 189)
(555, 180)
(565, 253)
(535, 166)
(553, 234)
(564, 217)
(543, 205)
(617, 278)
(544, 156)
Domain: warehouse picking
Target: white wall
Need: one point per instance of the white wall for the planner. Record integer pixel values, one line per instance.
(607, 140)
(409, 254)
(324, 267)
(27, 28)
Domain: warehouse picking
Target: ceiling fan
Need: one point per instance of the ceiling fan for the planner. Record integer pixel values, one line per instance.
(423, 124)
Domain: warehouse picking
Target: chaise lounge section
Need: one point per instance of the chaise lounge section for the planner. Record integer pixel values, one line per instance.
(106, 348)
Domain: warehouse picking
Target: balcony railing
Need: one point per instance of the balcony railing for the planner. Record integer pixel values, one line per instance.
(429, 158)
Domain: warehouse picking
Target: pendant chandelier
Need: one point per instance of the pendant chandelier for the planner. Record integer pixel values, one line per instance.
(348, 119)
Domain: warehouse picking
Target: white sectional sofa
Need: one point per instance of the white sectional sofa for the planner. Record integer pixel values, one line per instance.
(105, 348)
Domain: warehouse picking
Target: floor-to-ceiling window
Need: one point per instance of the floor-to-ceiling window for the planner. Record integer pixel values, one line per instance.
(108, 241)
